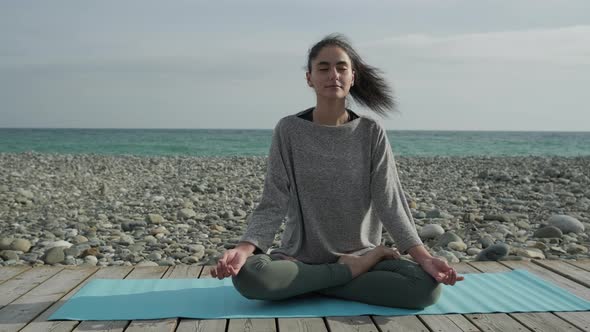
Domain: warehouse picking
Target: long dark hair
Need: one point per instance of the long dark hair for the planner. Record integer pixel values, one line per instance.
(369, 89)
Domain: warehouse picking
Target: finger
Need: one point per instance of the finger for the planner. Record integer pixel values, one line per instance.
(213, 272)
(454, 277)
(447, 278)
(219, 270)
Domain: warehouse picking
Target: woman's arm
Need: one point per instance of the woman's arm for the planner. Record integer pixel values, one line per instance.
(265, 220)
(388, 196)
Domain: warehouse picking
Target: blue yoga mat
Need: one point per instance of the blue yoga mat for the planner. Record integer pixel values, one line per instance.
(112, 299)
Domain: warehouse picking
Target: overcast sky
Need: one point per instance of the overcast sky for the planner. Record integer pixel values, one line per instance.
(454, 65)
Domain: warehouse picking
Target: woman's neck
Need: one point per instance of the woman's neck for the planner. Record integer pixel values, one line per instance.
(330, 113)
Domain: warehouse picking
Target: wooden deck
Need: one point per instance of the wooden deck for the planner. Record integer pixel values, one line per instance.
(29, 295)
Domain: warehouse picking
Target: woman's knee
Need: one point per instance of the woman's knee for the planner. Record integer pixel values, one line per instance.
(424, 290)
(251, 280)
(426, 296)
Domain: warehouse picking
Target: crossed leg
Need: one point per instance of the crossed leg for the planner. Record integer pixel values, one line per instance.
(392, 282)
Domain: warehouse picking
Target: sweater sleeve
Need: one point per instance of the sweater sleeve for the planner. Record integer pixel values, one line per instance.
(265, 220)
(388, 196)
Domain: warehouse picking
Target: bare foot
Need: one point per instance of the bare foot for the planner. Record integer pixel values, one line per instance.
(361, 264)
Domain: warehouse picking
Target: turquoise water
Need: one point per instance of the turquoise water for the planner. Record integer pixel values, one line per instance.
(232, 142)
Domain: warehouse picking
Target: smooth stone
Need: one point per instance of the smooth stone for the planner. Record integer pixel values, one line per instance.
(5, 243)
(9, 255)
(159, 230)
(199, 255)
(155, 218)
(130, 225)
(90, 252)
(21, 245)
(448, 256)
(486, 241)
(54, 255)
(566, 223)
(60, 243)
(431, 231)
(574, 248)
(457, 246)
(25, 193)
(90, 260)
(558, 249)
(493, 252)
(69, 260)
(529, 253)
(126, 239)
(190, 260)
(79, 239)
(499, 217)
(150, 239)
(186, 213)
(446, 238)
(196, 248)
(548, 232)
(154, 256)
(146, 263)
(434, 213)
(166, 262)
(74, 251)
(473, 251)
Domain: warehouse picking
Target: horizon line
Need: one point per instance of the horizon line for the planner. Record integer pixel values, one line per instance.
(447, 130)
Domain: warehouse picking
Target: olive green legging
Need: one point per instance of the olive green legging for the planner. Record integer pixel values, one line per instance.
(397, 283)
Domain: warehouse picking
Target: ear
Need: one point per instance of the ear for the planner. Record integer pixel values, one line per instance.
(308, 78)
(353, 77)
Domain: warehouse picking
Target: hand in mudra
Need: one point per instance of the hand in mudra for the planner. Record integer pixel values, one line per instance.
(441, 271)
(229, 264)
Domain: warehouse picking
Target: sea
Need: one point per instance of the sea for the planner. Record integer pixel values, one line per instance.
(255, 142)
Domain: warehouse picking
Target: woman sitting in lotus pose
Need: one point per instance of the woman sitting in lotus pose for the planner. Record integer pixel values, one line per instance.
(332, 179)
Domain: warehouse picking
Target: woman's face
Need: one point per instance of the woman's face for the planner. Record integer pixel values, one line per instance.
(331, 73)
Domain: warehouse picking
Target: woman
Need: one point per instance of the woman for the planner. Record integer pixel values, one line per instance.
(332, 178)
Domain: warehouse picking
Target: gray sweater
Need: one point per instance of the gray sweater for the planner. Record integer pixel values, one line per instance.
(335, 187)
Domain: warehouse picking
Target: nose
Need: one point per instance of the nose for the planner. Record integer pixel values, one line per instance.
(334, 74)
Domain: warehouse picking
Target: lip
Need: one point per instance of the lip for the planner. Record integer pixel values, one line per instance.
(333, 86)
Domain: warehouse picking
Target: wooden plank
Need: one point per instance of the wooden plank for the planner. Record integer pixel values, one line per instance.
(567, 270)
(254, 325)
(205, 325)
(19, 313)
(454, 322)
(544, 321)
(579, 319)
(583, 264)
(169, 324)
(351, 323)
(24, 282)
(142, 272)
(42, 324)
(314, 324)
(532, 320)
(400, 323)
(8, 272)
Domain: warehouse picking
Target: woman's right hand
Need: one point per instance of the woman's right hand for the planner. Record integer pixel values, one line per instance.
(232, 261)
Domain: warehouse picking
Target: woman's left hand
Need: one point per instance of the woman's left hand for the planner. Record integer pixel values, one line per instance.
(440, 271)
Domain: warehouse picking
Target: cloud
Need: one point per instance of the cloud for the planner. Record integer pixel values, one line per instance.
(566, 46)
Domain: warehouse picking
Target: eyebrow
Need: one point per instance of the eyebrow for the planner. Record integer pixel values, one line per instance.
(326, 63)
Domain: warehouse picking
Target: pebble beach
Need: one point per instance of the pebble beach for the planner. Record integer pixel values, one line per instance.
(104, 210)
